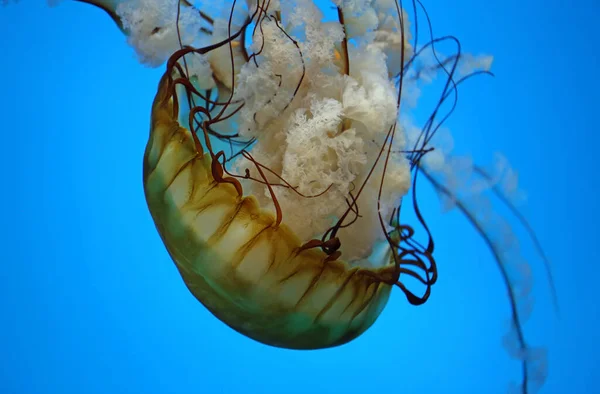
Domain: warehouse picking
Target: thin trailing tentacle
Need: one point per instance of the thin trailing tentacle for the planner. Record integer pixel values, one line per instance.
(498, 236)
(530, 231)
(501, 244)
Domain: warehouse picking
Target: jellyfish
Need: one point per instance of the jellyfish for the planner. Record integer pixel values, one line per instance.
(282, 170)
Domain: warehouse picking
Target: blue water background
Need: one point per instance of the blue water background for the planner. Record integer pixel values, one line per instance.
(91, 303)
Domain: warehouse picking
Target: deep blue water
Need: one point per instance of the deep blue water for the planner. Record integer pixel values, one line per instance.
(90, 301)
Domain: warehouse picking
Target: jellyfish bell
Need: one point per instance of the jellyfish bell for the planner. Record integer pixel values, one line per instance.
(242, 262)
(261, 247)
(279, 173)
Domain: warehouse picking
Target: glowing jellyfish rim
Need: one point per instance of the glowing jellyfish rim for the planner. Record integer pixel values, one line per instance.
(406, 252)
